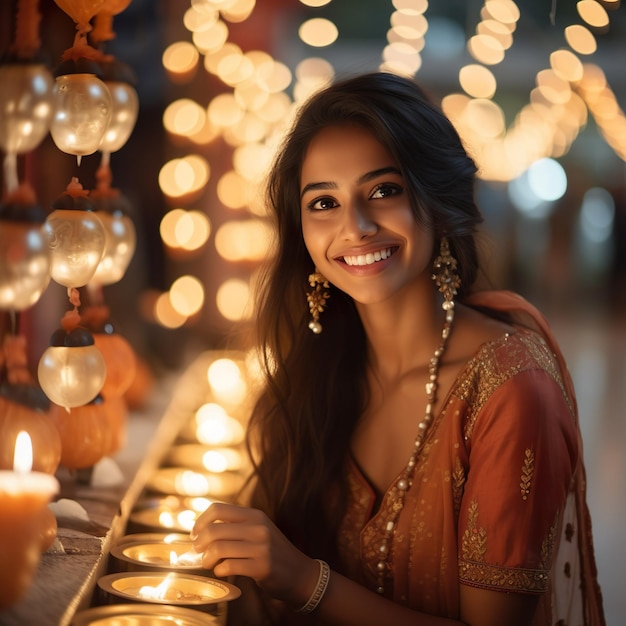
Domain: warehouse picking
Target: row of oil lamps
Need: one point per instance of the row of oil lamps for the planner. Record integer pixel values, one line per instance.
(154, 575)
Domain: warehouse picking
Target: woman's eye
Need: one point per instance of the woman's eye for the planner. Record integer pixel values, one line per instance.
(386, 189)
(321, 204)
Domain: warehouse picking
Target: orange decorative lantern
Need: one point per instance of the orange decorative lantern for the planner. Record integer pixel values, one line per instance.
(24, 407)
(117, 417)
(84, 431)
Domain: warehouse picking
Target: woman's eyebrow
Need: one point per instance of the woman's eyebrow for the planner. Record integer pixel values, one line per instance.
(363, 179)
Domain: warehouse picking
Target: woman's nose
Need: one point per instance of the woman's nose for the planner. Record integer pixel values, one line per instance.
(357, 222)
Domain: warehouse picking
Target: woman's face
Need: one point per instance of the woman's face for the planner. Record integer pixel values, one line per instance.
(357, 221)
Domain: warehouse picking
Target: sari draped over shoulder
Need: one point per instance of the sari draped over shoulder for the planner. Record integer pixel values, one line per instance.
(498, 496)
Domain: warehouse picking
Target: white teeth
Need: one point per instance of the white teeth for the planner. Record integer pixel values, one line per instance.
(369, 258)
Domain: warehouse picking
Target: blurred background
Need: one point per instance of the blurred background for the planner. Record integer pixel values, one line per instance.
(536, 89)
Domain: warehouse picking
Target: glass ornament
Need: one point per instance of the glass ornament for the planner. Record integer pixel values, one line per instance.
(24, 256)
(81, 11)
(71, 370)
(84, 432)
(119, 247)
(77, 240)
(83, 107)
(124, 110)
(26, 110)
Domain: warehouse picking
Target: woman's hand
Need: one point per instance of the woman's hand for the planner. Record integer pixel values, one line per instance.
(239, 541)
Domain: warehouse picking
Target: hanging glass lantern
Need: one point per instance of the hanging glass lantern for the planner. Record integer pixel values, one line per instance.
(82, 112)
(120, 80)
(24, 251)
(77, 238)
(71, 370)
(26, 109)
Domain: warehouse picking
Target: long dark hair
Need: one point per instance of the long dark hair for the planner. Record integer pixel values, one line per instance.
(302, 424)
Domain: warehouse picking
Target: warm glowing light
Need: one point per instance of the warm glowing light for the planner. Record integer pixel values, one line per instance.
(477, 81)
(187, 295)
(159, 592)
(580, 39)
(233, 299)
(215, 427)
(593, 13)
(192, 230)
(497, 30)
(238, 11)
(233, 190)
(273, 77)
(180, 58)
(553, 88)
(211, 40)
(315, 3)
(566, 65)
(224, 110)
(318, 32)
(198, 21)
(226, 380)
(167, 228)
(182, 176)
(505, 11)
(243, 240)
(485, 116)
(412, 7)
(486, 49)
(23, 455)
(402, 58)
(408, 26)
(165, 314)
(184, 117)
(251, 161)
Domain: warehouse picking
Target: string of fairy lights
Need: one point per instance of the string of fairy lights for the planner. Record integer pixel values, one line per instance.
(262, 93)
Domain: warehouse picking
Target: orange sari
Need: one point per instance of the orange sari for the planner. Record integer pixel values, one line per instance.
(498, 496)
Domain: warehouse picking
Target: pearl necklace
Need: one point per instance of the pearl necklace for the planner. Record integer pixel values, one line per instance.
(403, 484)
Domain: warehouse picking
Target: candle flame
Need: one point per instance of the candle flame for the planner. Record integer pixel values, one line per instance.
(23, 458)
(158, 592)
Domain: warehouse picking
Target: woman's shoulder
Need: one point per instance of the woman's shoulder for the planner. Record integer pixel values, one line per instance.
(494, 352)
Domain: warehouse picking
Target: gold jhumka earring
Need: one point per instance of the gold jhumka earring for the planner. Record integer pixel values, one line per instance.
(445, 276)
(317, 299)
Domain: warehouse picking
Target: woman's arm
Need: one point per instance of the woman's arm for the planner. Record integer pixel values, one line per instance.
(238, 541)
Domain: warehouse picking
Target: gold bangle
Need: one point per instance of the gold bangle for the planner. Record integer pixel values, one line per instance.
(319, 591)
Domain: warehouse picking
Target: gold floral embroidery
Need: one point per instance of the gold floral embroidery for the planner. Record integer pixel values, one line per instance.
(474, 543)
(527, 473)
(458, 484)
(503, 578)
(547, 546)
(486, 371)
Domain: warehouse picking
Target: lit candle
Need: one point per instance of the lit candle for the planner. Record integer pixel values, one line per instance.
(173, 588)
(176, 556)
(185, 482)
(24, 497)
(171, 512)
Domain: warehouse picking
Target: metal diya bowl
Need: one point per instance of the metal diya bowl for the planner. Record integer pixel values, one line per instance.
(167, 588)
(144, 615)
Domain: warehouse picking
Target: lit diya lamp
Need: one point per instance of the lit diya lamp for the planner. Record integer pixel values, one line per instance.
(171, 513)
(143, 615)
(174, 588)
(176, 555)
(212, 425)
(202, 457)
(186, 482)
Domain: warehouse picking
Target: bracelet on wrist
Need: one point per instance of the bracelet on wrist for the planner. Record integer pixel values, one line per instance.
(319, 591)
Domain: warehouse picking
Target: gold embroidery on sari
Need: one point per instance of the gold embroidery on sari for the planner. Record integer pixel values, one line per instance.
(503, 578)
(486, 372)
(527, 473)
(547, 545)
(458, 484)
(474, 543)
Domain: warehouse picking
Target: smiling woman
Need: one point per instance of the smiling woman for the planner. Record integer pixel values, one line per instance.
(419, 458)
